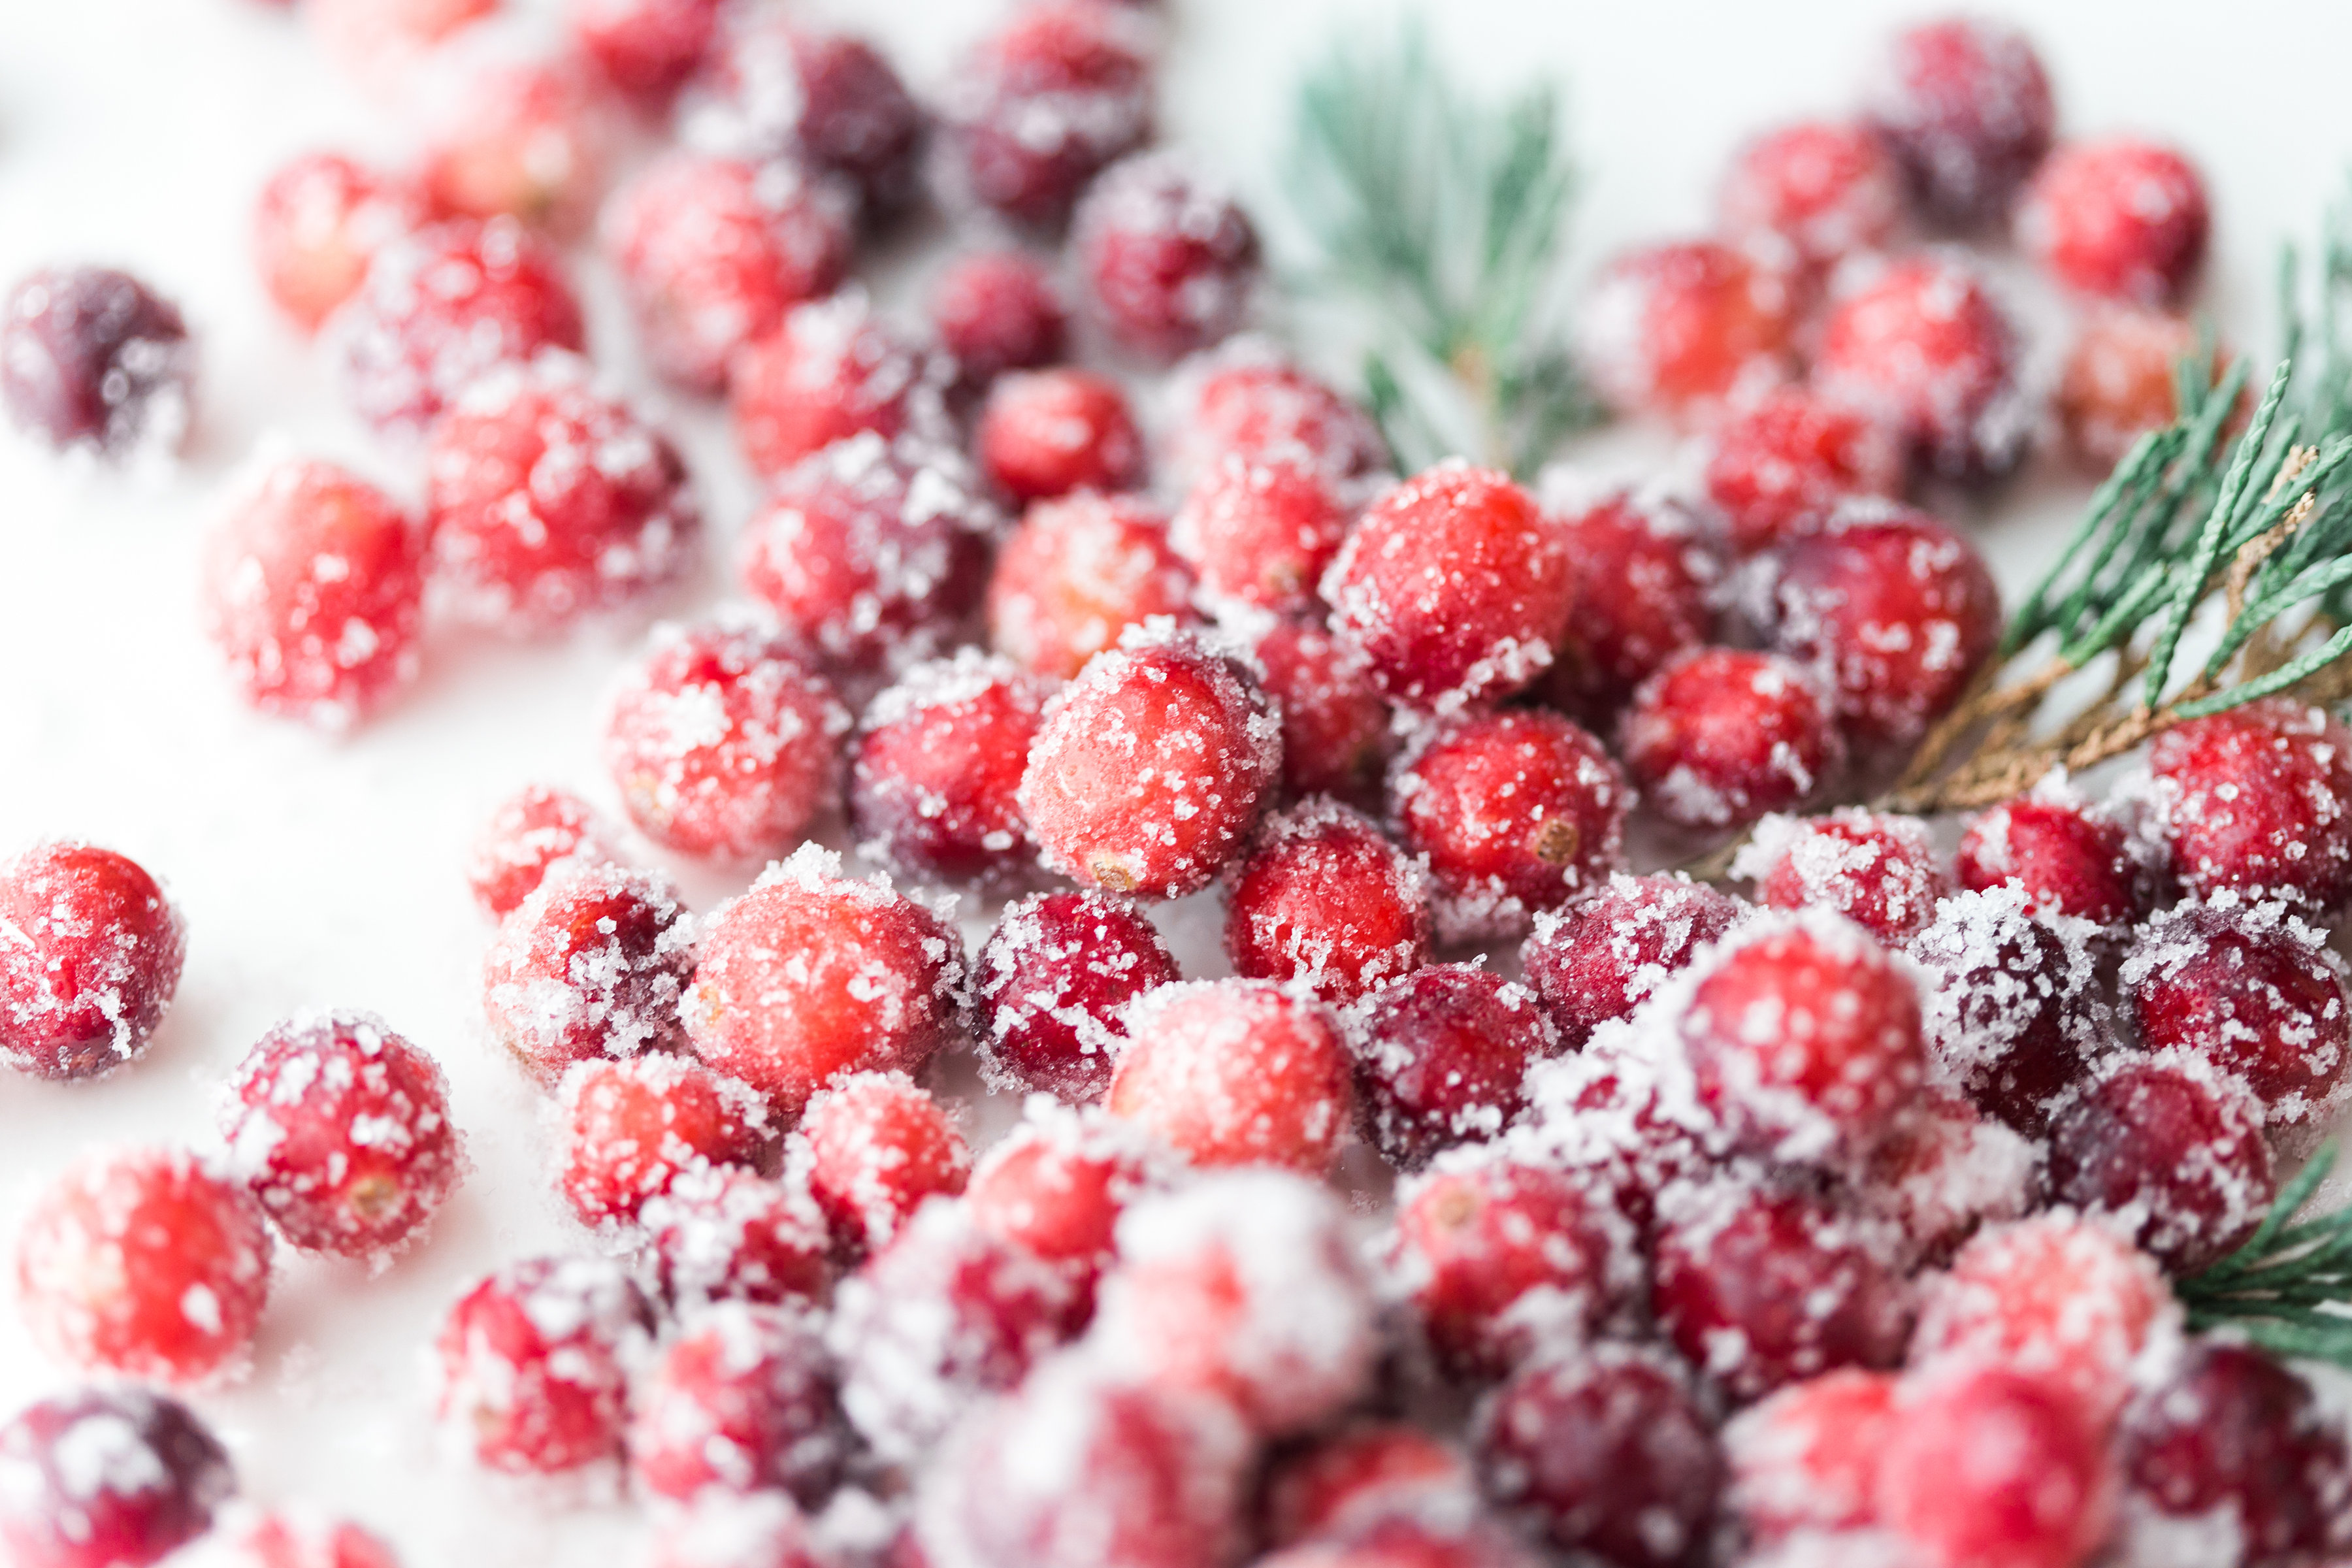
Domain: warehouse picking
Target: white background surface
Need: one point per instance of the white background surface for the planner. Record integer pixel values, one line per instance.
(318, 873)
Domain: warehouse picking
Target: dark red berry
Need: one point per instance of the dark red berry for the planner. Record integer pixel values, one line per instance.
(1167, 256)
(2168, 1148)
(1807, 1457)
(534, 1363)
(1056, 94)
(1925, 348)
(107, 1479)
(93, 359)
(318, 224)
(91, 962)
(742, 1400)
(1323, 896)
(1615, 1113)
(627, 1130)
(531, 831)
(1642, 580)
(1720, 737)
(832, 370)
(1987, 1468)
(1964, 106)
(2069, 858)
(1784, 462)
(1245, 401)
(1077, 574)
(647, 48)
(1234, 1072)
(1942, 1170)
(2120, 218)
(1824, 190)
(1441, 1059)
(1260, 532)
(1681, 329)
(1336, 735)
(1045, 433)
(590, 965)
(726, 1233)
(877, 1144)
(827, 102)
(998, 311)
(2258, 800)
(1053, 979)
(2011, 1005)
(1602, 956)
(1337, 1486)
(300, 1537)
(1878, 869)
(937, 768)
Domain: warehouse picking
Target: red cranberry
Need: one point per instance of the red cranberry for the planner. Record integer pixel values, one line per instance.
(1807, 1458)
(1784, 462)
(1418, 1532)
(2119, 382)
(741, 1401)
(1986, 1468)
(383, 42)
(1896, 612)
(647, 48)
(439, 309)
(91, 961)
(93, 359)
(1942, 1170)
(1965, 107)
(1454, 588)
(725, 1233)
(534, 1363)
(2170, 1149)
(1342, 1483)
(722, 745)
(2069, 859)
(1603, 955)
(590, 965)
(1607, 1453)
(714, 252)
(511, 129)
(1641, 598)
(318, 224)
(1681, 329)
(2010, 1006)
(145, 1264)
(832, 370)
(1517, 812)
(1053, 979)
(1045, 433)
(937, 768)
(1805, 1037)
(1925, 348)
(998, 311)
(1057, 1184)
(1245, 401)
(809, 975)
(625, 1131)
(1323, 896)
(1261, 531)
(341, 1128)
(1058, 92)
(870, 551)
(107, 1479)
(1234, 1072)
(1507, 1259)
(1335, 724)
(826, 102)
(246, 1537)
(1076, 574)
(2258, 800)
(876, 1145)
(1720, 737)
(1150, 765)
(1620, 1113)
(1878, 869)
(1167, 256)
(1444, 1054)
(1824, 190)
(2120, 218)
(531, 831)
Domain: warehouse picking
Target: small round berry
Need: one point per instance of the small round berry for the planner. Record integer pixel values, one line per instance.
(1620, 1112)
(1323, 896)
(742, 1400)
(1338, 1485)
(1604, 954)
(1720, 737)
(724, 1233)
(1443, 1057)
(646, 48)
(341, 1128)
(1262, 531)
(1823, 189)
(91, 359)
(2009, 1003)
(1681, 329)
(1336, 735)
(2258, 801)
(319, 222)
(1045, 433)
(1880, 870)
(876, 1145)
(1987, 1468)
(714, 252)
(1784, 462)
(107, 1479)
(1150, 768)
(1076, 574)
(1964, 106)
(1056, 1185)
(2069, 858)
(1247, 401)
(590, 966)
(1234, 1072)
(1807, 1458)
(871, 551)
(2120, 380)
(534, 1363)
(1517, 812)
(1607, 1453)
(937, 769)
(1167, 256)
(1943, 1170)
(809, 975)
(627, 1130)
(1642, 581)
(1926, 350)
(1058, 92)
(830, 102)
(1054, 978)
(248, 1537)
(145, 1264)
(998, 311)
(439, 308)
(511, 129)
(91, 961)
(531, 830)
(2172, 1150)
(832, 370)
(2121, 219)
(723, 746)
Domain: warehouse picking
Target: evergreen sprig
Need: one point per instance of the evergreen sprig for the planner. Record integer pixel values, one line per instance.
(1440, 216)
(2278, 1287)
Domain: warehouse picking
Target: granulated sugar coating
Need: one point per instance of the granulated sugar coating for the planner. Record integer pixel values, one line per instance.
(2258, 800)
(1323, 896)
(627, 1130)
(2070, 857)
(527, 834)
(1166, 254)
(90, 951)
(782, 93)
(742, 1400)
(1600, 957)
(1077, 574)
(935, 772)
(1925, 349)
(91, 359)
(1442, 1054)
(1057, 1184)
(2011, 1007)
(1246, 399)
(1683, 329)
(94, 1478)
(1044, 103)
(726, 1233)
(875, 1146)
(1234, 1072)
(1336, 726)
(1261, 531)
(590, 965)
(535, 1363)
(1879, 871)
(1719, 737)
(1045, 433)
(834, 369)
(1052, 982)
(1785, 461)
(318, 224)
(1644, 580)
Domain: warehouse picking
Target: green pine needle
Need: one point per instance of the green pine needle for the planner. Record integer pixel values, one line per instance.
(2278, 1290)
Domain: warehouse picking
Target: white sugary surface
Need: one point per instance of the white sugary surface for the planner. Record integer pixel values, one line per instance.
(317, 873)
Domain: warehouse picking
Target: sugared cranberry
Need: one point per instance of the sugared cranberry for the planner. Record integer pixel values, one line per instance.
(2252, 990)
(1323, 896)
(383, 42)
(723, 746)
(439, 309)
(92, 359)
(92, 960)
(1453, 586)
(1720, 737)
(2119, 381)
(1167, 256)
(248, 1537)
(318, 224)
(832, 370)
(1334, 722)
(1924, 348)
(1245, 401)
(1045, 433)
(809, 975)
(647, 48)
(1046, 102)
(511, 129)
(1442, 1055)
(1894, 611)
(1052, 981)
(937, 768)
(1417, 1527)
(1234, 1072)
(145, 1264)
(1603, 956)
(1149, 770)
(341, 1128)
(1987, 1468)
(2068, 859)
(715, 251)
(1507, 1259)
(590, 965)
(1057, 1184)
(1518, 813)
(1076, 574)
(1964, 106)
(2120, 218)
(1339, 1483)
(1880, 870)
(1942, 1170)
(877, 1144)
(1643, 579)
(2009, 1006)
(1824, 190)
(1260, 532)
(741, 1401)
(828, 101)
(2169, 1149)
(627, 1130)
(107, 1479)
(1606, 1452)
(1680, 329)
(998, 311)
(726, 1233)
(534, 1363)
(2258, 800)
(1808, 1456)
(531, 830)
(1784, 462)
(1804, 1035)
